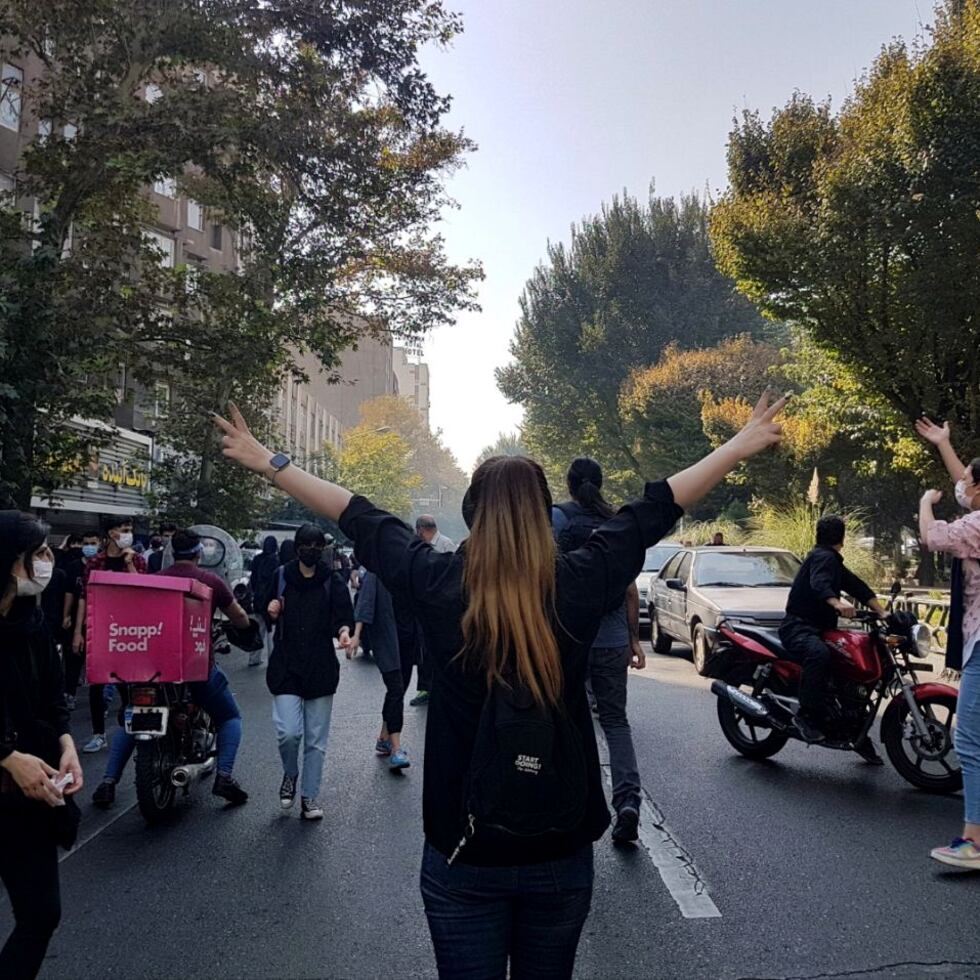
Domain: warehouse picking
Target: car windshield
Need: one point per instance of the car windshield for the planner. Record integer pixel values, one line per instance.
(658, 556)
(746, 569)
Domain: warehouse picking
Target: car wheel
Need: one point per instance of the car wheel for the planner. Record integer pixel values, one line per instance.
(660, 640)
(699, 649)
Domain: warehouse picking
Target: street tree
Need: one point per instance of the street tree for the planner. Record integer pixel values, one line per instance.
(308, 131)
(379, 466)
(507, 444)
(634, 279)
(861, 225)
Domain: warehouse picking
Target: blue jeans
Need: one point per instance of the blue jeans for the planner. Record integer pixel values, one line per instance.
(215, 697)
(308, 720)
(531, 913)
(968, 735)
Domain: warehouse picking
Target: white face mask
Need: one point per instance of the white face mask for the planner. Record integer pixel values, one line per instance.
(43, 570)
(964, 499)
(125, 540)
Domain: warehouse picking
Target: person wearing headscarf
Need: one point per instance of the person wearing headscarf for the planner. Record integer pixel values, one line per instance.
(39, 767)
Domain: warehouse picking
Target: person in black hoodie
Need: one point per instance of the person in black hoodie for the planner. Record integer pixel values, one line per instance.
(262, 582)
(39, 765)
(509, 623)
(312, 606)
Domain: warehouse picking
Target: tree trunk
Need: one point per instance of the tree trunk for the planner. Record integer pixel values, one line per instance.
(926, 572)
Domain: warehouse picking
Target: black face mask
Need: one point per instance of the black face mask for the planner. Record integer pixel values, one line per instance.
(310, 557)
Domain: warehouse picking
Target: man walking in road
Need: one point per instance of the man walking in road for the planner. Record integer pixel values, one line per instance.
(409, 635)
(615, 649)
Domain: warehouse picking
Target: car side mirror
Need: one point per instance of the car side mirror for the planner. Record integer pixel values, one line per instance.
(675, 584)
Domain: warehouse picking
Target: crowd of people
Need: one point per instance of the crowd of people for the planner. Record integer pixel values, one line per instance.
(510, 634)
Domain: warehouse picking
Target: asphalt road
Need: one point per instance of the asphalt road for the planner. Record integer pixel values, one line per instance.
(816, 864)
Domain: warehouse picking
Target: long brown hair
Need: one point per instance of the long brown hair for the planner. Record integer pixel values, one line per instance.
(509, 577)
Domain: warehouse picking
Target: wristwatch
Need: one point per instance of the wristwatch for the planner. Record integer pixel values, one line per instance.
(277, 464)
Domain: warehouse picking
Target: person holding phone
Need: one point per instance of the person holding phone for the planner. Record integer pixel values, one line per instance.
(39, 767)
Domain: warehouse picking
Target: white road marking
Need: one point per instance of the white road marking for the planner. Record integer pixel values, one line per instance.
(91, 837)
(678, 872)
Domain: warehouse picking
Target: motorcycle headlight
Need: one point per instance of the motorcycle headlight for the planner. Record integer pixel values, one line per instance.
(922, 638)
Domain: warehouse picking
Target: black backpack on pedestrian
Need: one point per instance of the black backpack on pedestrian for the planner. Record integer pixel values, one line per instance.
(580, 526)
(528, 778)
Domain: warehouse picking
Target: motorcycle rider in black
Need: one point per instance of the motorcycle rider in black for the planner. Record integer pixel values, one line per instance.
(813, 607)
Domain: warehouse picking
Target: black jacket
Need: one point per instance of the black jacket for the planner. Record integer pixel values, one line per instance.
(591, 581)
(823, 576)
(304, 661)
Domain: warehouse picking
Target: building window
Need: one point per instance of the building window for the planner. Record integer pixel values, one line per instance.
(8, 186)
(44, 128)
(69, 132)
(161, 400)
(216, 237)
(165, 187)
(163, 244)
(11, 96)
(153, 93)
(195, 215)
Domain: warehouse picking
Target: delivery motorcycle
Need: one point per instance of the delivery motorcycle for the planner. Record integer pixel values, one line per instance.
(757, 687)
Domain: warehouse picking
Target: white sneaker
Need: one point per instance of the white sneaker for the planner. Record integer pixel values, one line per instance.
(311, 809)
(95, 744)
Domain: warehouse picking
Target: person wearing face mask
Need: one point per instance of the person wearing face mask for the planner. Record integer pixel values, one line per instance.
(961, 540)
(117, 556)
(311, 607)
(39, 768)
(74, 660)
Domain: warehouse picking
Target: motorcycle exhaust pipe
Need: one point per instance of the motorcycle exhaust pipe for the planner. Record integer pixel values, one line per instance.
(744, 702)
(184, 775)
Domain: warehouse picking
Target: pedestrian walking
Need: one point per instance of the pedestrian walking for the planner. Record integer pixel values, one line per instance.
(116, 555)
(74, 654)
(512, 795)
(262, 582)
(311, 607)
(615, 649)
(39, 768)
(427, 529)
(375, 610)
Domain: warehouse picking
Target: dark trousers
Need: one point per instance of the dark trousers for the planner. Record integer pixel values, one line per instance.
(412, 652)
(609, 673)
(29, 872)
(804, 645)
(531, 914)
(393, 709)
(73, 671)
(96, 707)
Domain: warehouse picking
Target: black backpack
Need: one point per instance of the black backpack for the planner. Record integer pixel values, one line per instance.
(528, 778)
(578, 530)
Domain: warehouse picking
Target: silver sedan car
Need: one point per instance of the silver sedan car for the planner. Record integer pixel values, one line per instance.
(699, 587)
(656, 558)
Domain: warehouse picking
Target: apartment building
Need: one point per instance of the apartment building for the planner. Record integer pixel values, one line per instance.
(119, 476)
(412, 374)
(316, 412)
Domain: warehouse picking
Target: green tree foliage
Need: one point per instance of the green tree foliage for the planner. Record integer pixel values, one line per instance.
(378, 465)
(307, 130)
(507, 444)
(862, 226)
(634, 280)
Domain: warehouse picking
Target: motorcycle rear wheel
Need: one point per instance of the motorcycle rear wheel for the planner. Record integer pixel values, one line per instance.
(945, 776)
(155, 793)
(751, 740)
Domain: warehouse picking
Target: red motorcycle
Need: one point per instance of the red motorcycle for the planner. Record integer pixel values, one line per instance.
(758, 695)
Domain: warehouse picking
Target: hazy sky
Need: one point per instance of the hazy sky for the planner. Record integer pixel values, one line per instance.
(572, 101)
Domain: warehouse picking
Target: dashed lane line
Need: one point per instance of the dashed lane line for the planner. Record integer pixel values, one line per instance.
(674, 862)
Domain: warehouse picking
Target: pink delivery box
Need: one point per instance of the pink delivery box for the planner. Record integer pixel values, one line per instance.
(147, 628)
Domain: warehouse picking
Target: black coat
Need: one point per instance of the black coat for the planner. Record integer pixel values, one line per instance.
(304, 661)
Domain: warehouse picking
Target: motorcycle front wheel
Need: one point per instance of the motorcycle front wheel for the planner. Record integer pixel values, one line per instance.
(745, 734)
(930, 764)
(155, 792)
